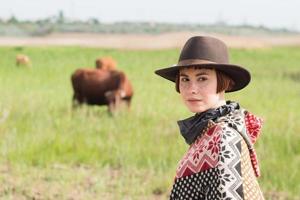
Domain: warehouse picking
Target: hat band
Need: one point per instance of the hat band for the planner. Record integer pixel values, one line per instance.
(194, 62)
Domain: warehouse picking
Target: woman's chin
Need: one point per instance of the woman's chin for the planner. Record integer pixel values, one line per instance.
(196, 109)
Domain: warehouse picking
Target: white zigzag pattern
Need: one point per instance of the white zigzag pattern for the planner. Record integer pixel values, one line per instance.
(228, 166)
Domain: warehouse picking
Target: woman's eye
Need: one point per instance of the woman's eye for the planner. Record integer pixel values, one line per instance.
(184, 79)
(202, 79)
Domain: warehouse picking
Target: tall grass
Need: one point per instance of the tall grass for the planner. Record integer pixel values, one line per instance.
(143, 145)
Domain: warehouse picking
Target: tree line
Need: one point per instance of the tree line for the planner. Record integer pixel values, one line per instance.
(60, 24)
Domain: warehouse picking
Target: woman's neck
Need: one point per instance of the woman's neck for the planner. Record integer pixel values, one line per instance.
(220, 103)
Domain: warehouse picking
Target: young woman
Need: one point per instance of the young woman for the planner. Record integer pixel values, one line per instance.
(221, 162)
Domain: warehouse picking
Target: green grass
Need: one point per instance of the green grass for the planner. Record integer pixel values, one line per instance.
(47, 150)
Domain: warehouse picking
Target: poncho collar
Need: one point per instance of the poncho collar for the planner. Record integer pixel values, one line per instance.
(192, 127)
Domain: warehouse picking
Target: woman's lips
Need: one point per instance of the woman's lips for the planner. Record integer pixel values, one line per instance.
(193, 100)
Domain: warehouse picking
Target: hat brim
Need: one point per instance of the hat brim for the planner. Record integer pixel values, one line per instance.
(238, 74)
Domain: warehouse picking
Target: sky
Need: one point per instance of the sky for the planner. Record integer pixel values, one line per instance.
(269, 13)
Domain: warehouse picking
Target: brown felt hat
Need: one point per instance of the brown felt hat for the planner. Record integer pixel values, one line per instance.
(207, 52)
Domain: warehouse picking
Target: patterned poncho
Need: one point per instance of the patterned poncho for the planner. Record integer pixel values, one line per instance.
(221, 163)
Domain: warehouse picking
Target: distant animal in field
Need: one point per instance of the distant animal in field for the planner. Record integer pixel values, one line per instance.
(101, 87)
(22, 59)
(106, 63)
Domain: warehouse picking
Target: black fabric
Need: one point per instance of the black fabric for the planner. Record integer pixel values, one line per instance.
(192, 127)
(199, 186)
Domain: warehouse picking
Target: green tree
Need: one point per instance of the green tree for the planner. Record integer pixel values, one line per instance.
(61, 17)
(12, 20)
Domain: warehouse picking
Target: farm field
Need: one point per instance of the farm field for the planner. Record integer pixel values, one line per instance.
(49, 151)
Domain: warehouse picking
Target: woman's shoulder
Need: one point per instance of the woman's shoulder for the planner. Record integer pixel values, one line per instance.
(228, 124)
(234, 119)
(242, 121)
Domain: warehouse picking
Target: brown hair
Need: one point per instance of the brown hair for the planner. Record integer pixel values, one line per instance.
(223, 82)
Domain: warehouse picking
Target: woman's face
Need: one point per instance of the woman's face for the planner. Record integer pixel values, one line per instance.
(198, 89)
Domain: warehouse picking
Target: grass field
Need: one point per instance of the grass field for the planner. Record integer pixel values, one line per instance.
(48, 151)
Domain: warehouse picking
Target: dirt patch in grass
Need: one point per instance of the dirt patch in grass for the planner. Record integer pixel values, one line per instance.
(143, 41)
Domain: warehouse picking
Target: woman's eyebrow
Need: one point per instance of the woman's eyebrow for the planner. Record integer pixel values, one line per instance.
(201, 73)
(182, 74)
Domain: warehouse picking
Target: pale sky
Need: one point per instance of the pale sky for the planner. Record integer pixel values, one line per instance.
(270, 13)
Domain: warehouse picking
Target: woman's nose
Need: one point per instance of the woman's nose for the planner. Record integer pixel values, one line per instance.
(193, 88)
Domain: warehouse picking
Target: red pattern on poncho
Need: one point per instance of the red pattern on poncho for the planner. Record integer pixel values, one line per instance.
(253, 125)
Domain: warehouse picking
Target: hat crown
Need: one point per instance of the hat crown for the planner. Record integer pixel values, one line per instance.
(205, 48)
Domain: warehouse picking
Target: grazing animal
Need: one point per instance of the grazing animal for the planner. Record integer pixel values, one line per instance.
(101, 87)
(23, 60)
(106, 63)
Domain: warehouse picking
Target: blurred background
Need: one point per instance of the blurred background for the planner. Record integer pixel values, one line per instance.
(51, 150)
